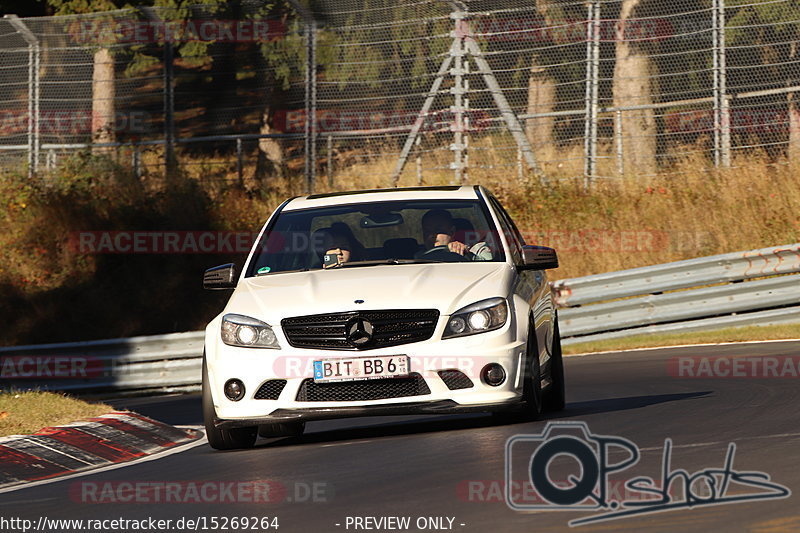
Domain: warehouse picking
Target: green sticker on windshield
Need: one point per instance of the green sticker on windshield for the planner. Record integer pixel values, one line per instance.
(263, 270)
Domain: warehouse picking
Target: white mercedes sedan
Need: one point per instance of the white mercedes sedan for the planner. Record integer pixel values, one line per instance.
(380, 302)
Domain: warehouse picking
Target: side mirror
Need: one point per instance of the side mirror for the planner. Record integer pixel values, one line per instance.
(538, 258)
(220, 277)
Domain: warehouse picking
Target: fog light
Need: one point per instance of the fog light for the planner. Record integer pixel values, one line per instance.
(234, 390)
(493, 374)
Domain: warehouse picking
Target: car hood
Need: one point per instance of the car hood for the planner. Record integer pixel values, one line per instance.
(443, 286)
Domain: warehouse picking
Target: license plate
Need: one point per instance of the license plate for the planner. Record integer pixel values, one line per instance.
(358, 368)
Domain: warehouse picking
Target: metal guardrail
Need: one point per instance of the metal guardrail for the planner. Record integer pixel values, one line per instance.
(135, 365)
(699, 294)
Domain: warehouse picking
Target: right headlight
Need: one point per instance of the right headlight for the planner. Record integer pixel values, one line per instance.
(479, 317)
(240, 330)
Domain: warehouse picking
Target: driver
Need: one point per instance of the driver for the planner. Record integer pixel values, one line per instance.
(438, 229)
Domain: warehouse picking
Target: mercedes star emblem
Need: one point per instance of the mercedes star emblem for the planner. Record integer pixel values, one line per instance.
(359, 331)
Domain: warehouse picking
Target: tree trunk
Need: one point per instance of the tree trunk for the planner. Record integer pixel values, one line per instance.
(541, 99)
(541, 96)
(633, 85)
(271, 160)
(103, 93)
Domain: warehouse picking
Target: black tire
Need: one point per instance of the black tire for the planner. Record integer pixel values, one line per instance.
(555, 396)
(221, 438)
(531, 406)
(532, 386)
(281, 429)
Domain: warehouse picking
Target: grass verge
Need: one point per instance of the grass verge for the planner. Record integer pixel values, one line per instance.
(747, 333)
(22, 413)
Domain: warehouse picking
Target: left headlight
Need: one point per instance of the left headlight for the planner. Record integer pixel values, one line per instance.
(240, 330)
(479, 317)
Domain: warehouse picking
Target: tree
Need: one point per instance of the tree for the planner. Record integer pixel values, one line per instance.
(103, 77)
(765, 37)
(633, 86)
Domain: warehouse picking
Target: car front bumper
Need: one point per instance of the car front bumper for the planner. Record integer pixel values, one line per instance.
(468, 354)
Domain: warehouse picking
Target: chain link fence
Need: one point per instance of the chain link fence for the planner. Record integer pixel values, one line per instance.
(407, 90)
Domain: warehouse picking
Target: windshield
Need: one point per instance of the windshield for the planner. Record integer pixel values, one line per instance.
(397, 232)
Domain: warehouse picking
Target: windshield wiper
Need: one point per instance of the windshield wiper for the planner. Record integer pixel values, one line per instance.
(391, 261)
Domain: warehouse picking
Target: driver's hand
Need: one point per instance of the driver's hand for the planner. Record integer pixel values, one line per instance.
(457, 247)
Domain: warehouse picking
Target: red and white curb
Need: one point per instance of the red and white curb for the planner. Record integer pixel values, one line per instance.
(93, 443)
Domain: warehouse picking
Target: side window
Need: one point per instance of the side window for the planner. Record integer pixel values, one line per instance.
(509, 230)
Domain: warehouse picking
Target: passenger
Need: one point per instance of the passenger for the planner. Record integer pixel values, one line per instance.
(340, 242)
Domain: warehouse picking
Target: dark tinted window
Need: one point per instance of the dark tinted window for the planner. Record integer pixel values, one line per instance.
(374, 231)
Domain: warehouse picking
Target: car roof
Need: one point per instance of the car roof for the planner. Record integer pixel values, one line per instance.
(454, 192)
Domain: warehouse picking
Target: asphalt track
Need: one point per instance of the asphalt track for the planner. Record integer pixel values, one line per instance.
(453, 466)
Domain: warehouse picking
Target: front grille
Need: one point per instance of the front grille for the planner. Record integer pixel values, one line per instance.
(455, 379)
(389, 328)
(270, 390)
(368, 389)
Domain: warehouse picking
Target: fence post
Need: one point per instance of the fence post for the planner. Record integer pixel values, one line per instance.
(136, 161)
(618, 142)
(329, 153)
(592, 81)
(239, 162)
(34, 54)
(311, 105)
(169, 108)
(419, 161)
(722, 134)
(458, 95)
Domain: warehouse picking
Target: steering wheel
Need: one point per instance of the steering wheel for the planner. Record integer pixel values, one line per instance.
(443, 253)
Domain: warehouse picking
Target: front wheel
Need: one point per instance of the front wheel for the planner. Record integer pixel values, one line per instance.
(222, 438)
(555, 397)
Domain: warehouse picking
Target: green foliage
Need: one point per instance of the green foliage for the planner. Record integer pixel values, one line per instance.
(762, 23)
(80, 7)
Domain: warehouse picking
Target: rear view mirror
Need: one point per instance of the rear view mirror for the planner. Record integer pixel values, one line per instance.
(220, 277)
(538, 258)
(380, 220)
